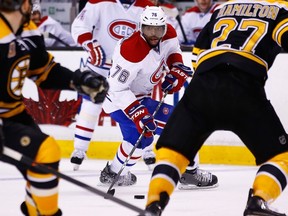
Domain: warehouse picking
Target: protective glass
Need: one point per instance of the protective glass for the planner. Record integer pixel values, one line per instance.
(157, 31)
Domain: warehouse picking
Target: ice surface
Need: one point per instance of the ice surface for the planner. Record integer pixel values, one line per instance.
(229, 199)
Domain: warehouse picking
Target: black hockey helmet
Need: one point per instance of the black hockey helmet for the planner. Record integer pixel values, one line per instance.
(10, 5)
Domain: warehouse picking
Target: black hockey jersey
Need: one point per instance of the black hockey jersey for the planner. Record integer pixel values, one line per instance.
(246, 34)
(24, 55)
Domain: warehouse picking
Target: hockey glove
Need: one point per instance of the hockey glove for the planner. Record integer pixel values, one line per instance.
(97, 55)
(175, 79)
(2, 139)
(91, 84)
(139, 114)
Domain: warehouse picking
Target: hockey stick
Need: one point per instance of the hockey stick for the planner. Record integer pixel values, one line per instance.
(46, 169)
(50, 35)
(111, 191)
(175, 14)
(178, 18)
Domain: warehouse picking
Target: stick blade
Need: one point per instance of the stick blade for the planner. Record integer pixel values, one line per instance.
(109, 193)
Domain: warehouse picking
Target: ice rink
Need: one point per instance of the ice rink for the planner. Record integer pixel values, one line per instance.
(229, 199)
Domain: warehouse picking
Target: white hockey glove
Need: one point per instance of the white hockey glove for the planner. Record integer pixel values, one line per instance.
(96, 53)
(91, 84)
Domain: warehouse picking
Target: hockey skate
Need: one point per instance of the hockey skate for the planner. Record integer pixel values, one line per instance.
(76, 158)
(156, 208)
(107, 176)
(149, 158)
(24, 210)
(197, 179)
(256, 206)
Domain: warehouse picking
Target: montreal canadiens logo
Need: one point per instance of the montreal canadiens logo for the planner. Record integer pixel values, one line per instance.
(121, 28)
(158, 73)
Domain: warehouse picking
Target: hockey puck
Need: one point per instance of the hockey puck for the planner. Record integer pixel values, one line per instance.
(139, 196)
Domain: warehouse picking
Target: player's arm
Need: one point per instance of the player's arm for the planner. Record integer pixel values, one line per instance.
(64, 35)
(175, 78)
(280, 33)
(82, 32)
(46, 73)
(202, 43)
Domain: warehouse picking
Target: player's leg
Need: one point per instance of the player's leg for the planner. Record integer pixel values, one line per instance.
(195, 178)
(266, 138)
(175, 151)
(85, 124)
(149, 156)
(109, 173)
(161, 118)
(41, 189)
(130, 137)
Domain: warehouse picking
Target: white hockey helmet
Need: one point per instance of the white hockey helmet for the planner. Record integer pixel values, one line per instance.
(153, 16)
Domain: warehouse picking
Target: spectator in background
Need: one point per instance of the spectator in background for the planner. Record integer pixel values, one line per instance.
(54, 34)
(194, 19)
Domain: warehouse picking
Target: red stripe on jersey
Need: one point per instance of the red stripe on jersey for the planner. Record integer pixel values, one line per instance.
(171, 33)
(160, 125)
(84, 128)
(143, 3)
(126, 155)
(43, 19)
(98, 1)
(193, 9)
(171, 6)
(174, 57)
(84, 37)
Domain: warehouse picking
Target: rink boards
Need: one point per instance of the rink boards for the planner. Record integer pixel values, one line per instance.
(221, 148)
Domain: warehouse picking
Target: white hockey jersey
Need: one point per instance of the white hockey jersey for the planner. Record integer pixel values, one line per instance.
(54, 34)
(107, 21)
(193, 21)
(137, 68)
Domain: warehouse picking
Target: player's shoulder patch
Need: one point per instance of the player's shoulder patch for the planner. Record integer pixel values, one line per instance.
(134, 48)
(143, 3)
(171, 33)
(98, 1)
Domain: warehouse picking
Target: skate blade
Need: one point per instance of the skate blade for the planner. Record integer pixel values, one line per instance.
(195, 187)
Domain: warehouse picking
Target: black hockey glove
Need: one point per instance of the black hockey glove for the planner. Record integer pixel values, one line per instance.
(1, 137)
(91, 84)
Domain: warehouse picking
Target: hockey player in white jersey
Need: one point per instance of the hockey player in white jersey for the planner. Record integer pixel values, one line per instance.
(194, 19)
(97, 28)
(54, 34)
(138, 63)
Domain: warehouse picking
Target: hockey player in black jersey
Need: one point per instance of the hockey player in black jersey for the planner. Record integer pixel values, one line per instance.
(23, 55)
(231, 58)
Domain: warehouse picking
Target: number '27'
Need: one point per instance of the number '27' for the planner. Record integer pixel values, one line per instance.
(227, 25)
